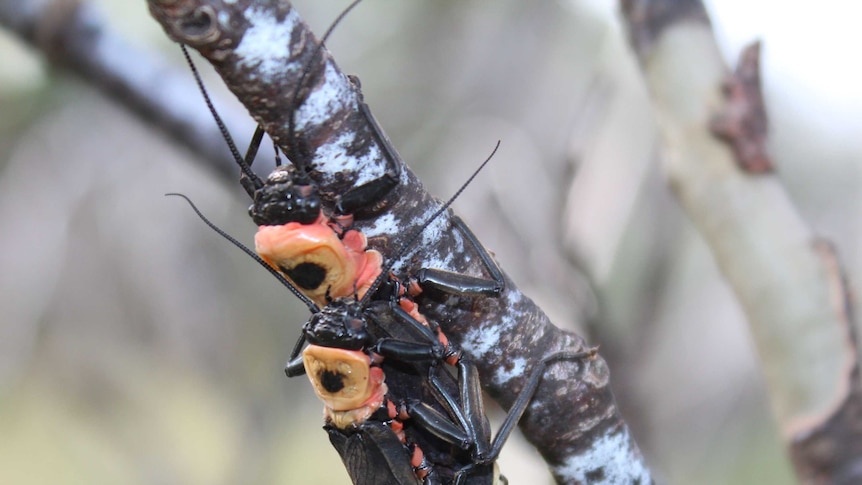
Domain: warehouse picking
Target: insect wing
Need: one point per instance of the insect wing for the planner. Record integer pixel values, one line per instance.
(373, 455)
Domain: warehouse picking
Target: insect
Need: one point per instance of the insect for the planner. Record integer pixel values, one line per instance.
(369, 331)
(470, 457)
(377, 365)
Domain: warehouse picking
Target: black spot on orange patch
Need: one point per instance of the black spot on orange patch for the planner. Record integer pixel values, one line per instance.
(332, 381)
(307, 276)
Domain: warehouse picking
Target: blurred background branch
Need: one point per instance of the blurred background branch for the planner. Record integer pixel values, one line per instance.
(74, 35)
(789, 282)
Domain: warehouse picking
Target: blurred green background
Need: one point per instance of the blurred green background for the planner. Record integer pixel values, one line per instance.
(136, 346)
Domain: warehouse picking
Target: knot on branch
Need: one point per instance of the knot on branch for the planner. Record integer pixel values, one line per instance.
(742, 123)
(209, 25)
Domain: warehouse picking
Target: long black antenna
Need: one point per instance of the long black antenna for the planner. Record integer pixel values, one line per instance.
(244, 165)
(310, 304)
(291, 127)
(384, 273)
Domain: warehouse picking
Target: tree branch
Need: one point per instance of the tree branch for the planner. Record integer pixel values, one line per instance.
(73, 36)
(260, 48)
(789, 281)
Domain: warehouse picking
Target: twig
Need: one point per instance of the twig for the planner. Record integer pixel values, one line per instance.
(73, 36)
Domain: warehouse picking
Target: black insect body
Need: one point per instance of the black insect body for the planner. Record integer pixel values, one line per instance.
(354, 345)
(438, 428)
(348, 342)
(393, 410)
(306, 236)
(332, 267)
(362, 380)
(289, 194)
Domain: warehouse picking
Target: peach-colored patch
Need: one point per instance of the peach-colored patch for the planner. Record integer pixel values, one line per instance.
(412, 308)
(348, 265)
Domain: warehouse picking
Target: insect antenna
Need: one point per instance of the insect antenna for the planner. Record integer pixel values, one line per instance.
(412, 239)
(244, 164)
(277, 154)
(284, 281)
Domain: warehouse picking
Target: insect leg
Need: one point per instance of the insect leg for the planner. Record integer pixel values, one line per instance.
(469, 413)
(366, 195)
(461, 428)
(461, 284)
(247, 183)
(445, 352)
(371, 194)
(407, 351)
(295, 366)
(487, 451)
(438, 424)
(473, 406)
(526, 395)
(418, 328)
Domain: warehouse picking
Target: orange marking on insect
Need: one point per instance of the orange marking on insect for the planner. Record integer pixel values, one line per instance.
(402, 414)
(347, 264)
(416, 459)
(412, 309)
(443, 339)
(397, 427)
(413, 288)
(341, 222)
(350, 389)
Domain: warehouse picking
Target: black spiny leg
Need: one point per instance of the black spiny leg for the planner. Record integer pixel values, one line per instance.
(467, 426)
(250, 154)
(370, 196)
(492, 448)
(367, 195)
(295, 366)
(526, 395)
(460, 284)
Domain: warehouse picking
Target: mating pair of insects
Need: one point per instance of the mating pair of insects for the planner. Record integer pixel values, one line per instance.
(403, 404)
